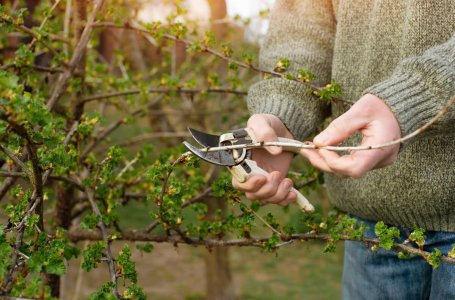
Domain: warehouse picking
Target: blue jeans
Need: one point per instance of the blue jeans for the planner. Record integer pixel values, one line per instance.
(382, 275)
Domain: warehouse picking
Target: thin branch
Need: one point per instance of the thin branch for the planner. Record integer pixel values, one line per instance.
(28, 31)
(16, 160)
(105, 133)
(218, 54)
(309, 145)
(111, 262)
(66, 23)
(153, 136)
(35, 39)
(164, 91)
(188, 202)
(141, 236)
(79, 51)
(35, 67)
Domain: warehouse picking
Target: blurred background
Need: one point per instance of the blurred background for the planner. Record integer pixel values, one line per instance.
(134, 60)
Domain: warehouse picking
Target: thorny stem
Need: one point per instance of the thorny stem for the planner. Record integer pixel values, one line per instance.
(105, 133)
(28, 31)
(142, 236)
(16, 160)
(216, 53)
(79, 51)
(188, 202)
(32, 43)
(163, 91)
(111, 263)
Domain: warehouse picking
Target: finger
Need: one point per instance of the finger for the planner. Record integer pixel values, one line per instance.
(291, 197)
(270, 188)
(281, 193)
(316, 160)
(264, 132)
(253, 184)
(354, 165)
(340, 129)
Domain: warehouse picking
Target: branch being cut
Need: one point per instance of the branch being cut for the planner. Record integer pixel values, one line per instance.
(309, 145)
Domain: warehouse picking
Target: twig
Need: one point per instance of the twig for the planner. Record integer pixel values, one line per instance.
(28, 31)
(60, 86)
(66, 23)
(105, 133)
(105, 238)
(127, 166)
(188, 202)
(32, 43)
(218, 54)
(16, 160)
(164, 91)
(309, 145)
(36, 67)
(153, 136)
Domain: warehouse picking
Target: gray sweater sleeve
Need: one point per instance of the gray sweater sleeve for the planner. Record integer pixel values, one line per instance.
(419, 88)
(302, 31)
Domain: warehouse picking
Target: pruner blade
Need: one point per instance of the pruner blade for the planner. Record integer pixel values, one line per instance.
(220, 158)
(204, 139)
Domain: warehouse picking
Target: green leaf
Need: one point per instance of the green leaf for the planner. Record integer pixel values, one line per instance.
(418, 237)
(387, 235)
(282, 65)
(92, 255)
(434, 259)
(134, 292)
(146, 247)
(125, 265)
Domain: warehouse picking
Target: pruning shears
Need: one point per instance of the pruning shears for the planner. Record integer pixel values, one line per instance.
(238, 160)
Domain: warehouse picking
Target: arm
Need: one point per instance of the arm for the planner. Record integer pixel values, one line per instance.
(419, 88)
(303, 32)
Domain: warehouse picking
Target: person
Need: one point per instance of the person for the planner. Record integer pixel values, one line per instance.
(398, 59)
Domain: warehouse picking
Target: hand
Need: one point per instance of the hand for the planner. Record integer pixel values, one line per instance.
(274, 188)
(372, 117)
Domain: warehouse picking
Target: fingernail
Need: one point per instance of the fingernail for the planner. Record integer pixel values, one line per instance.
(275, 177)
(287, 185)
(274, 149)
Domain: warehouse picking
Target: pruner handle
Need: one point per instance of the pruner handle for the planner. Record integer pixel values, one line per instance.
(249, 167)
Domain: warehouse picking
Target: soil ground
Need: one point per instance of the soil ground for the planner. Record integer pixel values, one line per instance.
(297, 271)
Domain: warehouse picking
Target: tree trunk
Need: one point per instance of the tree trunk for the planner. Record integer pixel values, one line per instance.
(217, 266)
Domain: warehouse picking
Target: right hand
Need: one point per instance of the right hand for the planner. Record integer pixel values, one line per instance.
(274, 188)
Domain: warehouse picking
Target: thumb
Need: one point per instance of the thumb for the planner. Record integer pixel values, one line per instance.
(264, 132)
(340, 129)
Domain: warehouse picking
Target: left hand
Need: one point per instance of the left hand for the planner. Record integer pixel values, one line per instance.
(373, 118)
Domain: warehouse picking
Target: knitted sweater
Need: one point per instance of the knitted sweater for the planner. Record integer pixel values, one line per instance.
(403, 52)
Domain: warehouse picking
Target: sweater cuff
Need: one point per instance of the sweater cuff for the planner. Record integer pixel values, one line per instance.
(408, 98)
(286, 100)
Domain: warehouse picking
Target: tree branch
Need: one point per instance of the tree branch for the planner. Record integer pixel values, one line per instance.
(218, 54)
(104, 234)
(163, 91)
(62, 82)
(309, 145)
(76, 235)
